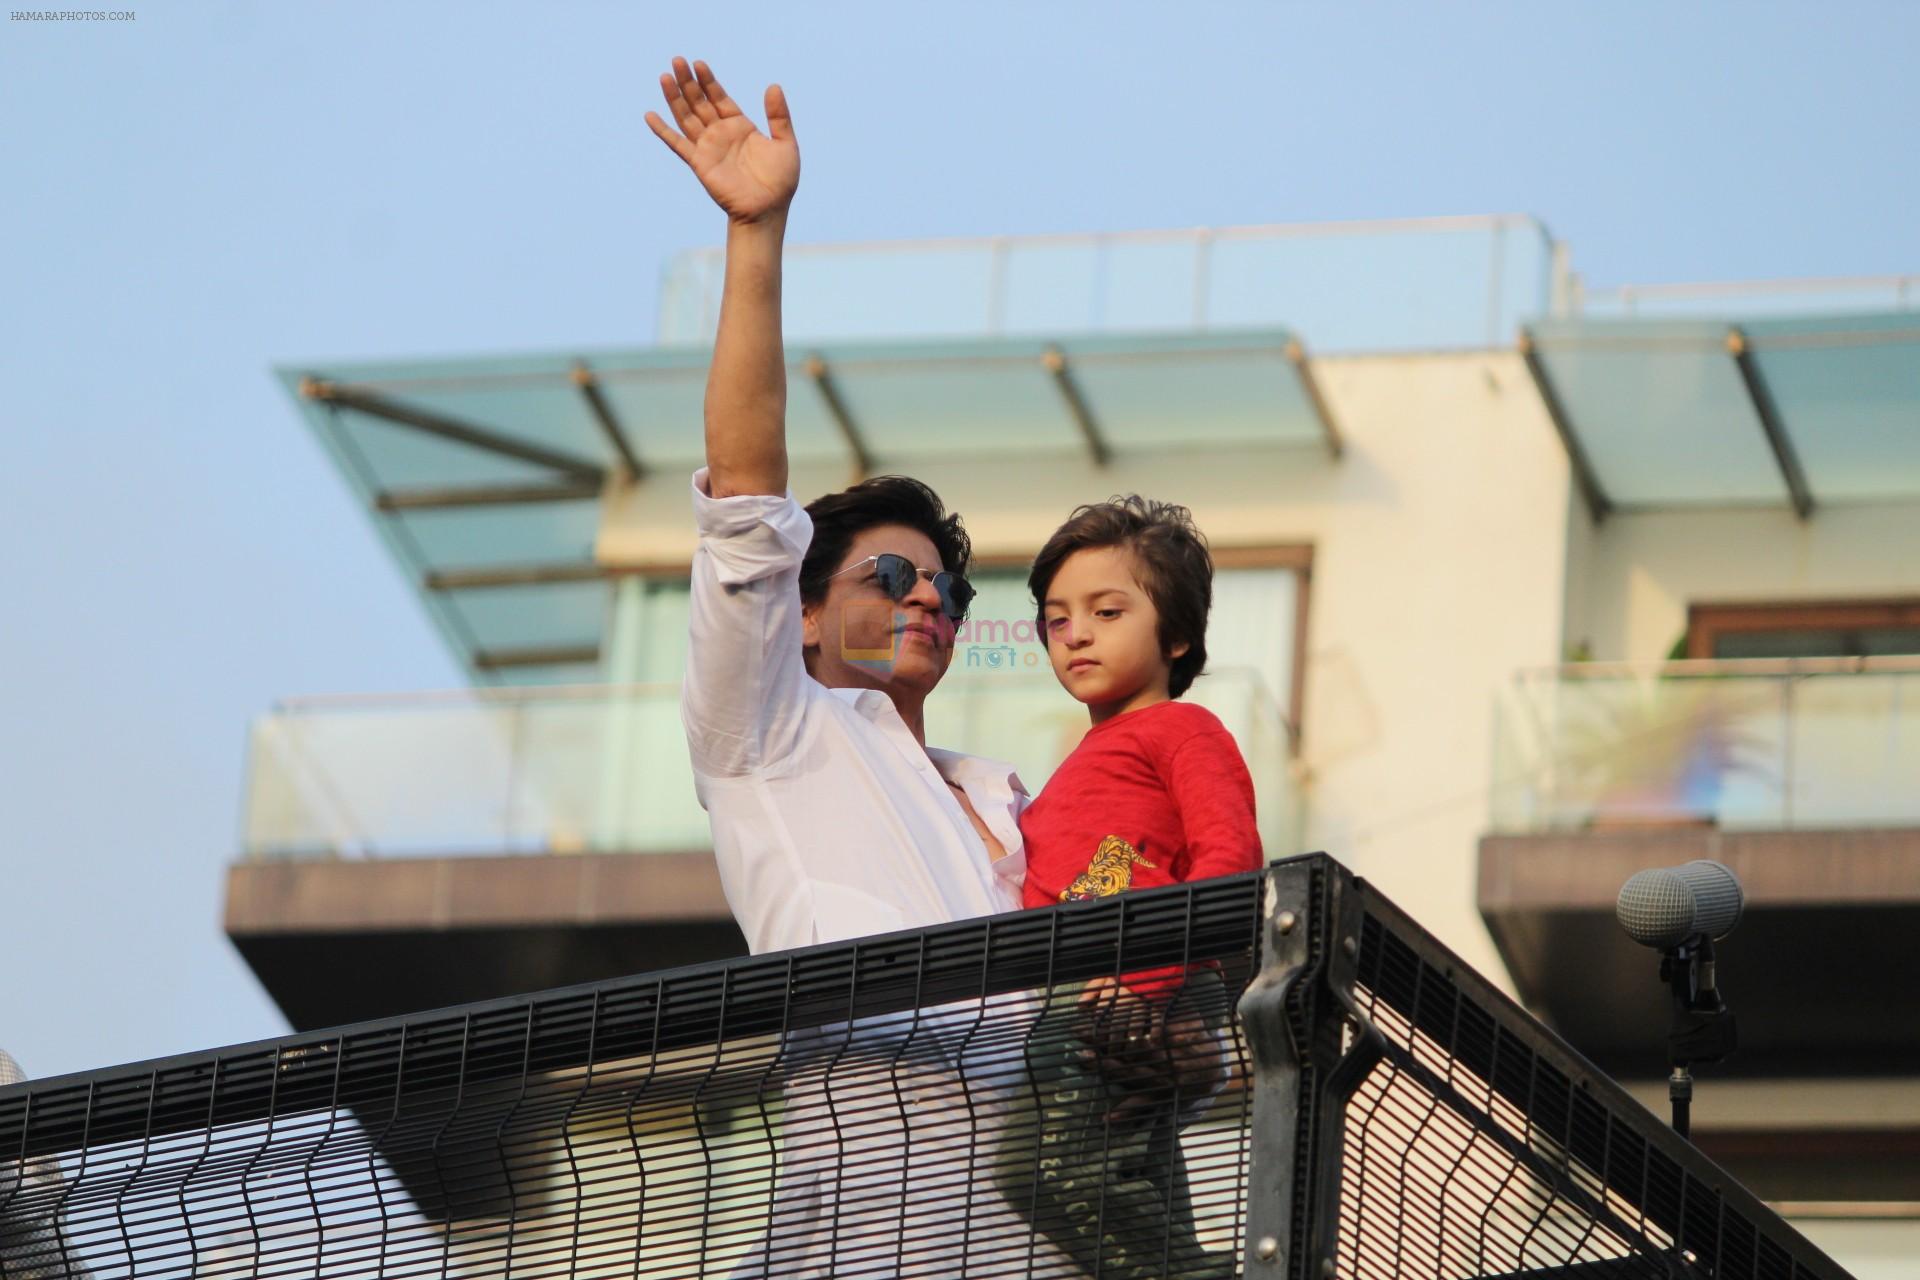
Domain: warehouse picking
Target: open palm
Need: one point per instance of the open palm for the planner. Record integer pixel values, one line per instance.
(750, 174)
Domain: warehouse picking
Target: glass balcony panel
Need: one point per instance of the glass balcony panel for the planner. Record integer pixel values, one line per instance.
(392, 781)
(1449, 283)
(1050, 287)
(689, 297)
(1146, 285)
(1768, 298)
(1855, 760)
(1364, 291)
(605, 770)
(908, 290)
(1739, 745)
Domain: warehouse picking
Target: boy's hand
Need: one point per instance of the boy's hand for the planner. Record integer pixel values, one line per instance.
(748, 173)
(1146, 1049)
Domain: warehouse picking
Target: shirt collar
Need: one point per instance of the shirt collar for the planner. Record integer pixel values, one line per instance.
(981, 771)
(955, 766)
(870, 703)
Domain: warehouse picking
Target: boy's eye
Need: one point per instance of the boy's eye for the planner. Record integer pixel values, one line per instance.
(1054, 624)
(1106, 613)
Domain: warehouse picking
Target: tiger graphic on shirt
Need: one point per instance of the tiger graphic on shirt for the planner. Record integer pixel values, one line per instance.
(1110, 872)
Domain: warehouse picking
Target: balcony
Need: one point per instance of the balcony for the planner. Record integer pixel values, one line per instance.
(415, 851)
(1800, 775)
(1404, 284)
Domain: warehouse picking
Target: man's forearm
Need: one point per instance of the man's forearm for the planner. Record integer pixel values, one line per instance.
(746, 409)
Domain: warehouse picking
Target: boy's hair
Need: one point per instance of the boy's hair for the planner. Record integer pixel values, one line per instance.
(1171, 561)
(840, 517)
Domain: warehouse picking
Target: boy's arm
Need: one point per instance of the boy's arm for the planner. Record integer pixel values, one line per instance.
(1210, 782)
(752, 176)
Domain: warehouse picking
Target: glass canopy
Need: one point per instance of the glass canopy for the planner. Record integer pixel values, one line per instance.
(1796, 410)
(484, 475)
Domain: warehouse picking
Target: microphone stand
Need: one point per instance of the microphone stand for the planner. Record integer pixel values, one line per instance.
(1703, 1027)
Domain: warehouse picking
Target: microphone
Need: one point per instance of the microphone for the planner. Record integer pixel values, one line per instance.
(1669, 906)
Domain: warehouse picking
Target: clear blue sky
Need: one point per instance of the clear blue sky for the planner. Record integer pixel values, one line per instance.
(193, 196)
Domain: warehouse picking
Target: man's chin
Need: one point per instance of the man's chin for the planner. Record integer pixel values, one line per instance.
(919, 671)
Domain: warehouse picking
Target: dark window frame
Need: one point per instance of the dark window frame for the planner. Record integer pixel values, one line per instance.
(1706, 623)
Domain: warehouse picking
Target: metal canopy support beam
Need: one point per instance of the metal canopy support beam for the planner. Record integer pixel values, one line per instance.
(494, 495)
(1297, 357)
(823, 382)
(1055, 363)
(378, 406)
(1769, 415)
(603, 414)
(550, 656)
(1599, 505)
(533, 575)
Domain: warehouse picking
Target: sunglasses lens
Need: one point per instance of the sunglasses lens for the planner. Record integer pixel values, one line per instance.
(956, 594)
(895, 574)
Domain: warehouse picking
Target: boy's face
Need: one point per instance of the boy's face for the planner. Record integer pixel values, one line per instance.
(1103, 633)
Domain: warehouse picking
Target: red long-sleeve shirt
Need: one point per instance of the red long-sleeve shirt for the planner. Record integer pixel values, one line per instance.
(1156, 796)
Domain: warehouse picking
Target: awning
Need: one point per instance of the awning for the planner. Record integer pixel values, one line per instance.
(1699, 412)
(484, 475)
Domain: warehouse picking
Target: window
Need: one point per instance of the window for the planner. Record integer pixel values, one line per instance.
(1000, 697)
(1805, 629)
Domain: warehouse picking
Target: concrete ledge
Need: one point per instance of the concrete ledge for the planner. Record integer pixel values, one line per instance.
(402, 894)
(1585, 869)
(338, 941)
(1818, 972)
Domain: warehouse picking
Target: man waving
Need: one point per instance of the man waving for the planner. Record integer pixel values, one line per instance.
(817, 636)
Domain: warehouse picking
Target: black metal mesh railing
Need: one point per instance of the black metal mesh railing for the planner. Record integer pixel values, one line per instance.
(950, 1102)
(1080, 1091)
(1475, 1143)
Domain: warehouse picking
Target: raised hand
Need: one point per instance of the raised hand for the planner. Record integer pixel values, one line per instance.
(752, 175)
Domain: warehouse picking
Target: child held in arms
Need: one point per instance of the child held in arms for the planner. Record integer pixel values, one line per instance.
(1156, 793)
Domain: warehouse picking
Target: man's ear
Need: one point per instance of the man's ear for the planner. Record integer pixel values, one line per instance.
(810, 626)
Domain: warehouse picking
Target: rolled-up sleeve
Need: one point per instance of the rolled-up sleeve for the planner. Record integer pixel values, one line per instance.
(744, 699)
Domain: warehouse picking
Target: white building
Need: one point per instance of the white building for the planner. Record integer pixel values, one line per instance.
(1463, 512)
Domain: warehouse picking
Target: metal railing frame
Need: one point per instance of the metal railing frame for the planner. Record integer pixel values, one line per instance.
(1345, 984)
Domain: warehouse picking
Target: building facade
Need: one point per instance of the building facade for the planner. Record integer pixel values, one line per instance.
(1520, 589)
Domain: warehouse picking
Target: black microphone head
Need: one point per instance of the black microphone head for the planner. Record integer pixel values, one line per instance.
(1669, 905)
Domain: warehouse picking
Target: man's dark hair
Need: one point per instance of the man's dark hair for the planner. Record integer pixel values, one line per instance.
(1170, 559)
(840, 517)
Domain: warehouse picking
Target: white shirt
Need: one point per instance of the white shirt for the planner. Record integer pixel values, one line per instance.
(829, 820)
(829, 823)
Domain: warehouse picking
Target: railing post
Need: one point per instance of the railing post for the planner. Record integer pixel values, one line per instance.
(996, 285)
(1786, 750)
(515, 746)
(1202, 275)
(1288, 1019)
(1560, 303)
(1496, 262)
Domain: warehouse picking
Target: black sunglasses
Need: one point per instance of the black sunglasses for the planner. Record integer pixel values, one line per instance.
(896, 576)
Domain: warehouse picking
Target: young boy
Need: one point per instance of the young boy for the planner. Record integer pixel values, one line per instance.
(1155, 794)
